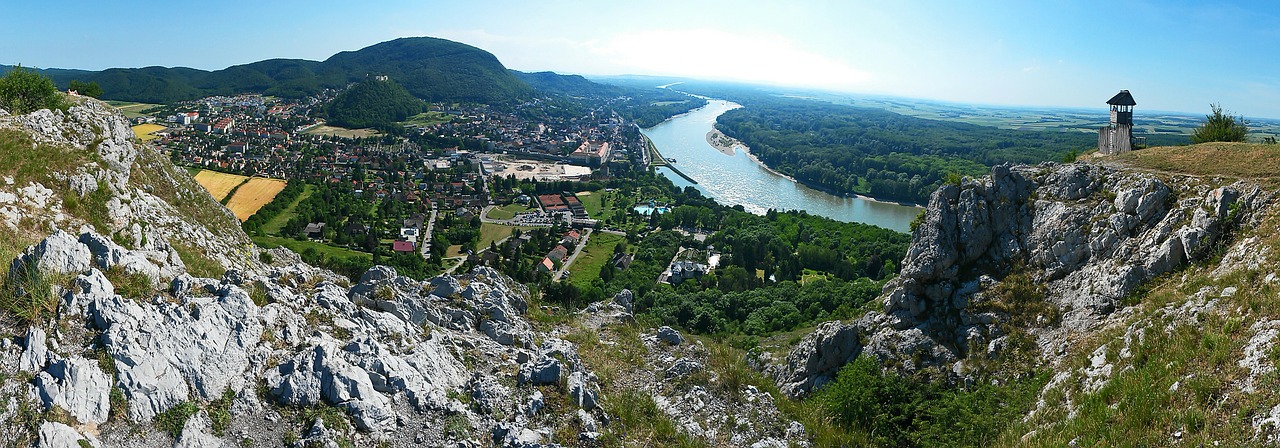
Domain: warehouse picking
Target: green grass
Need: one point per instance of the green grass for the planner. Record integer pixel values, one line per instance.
(131, 109)
(1245, 160)
(271, 242)
(220, 412)
(172, 420)
(130, 285)
(598, 252)
(507, 211)
(593, 202)
(198, 264)
(29, 295)
(275, 225)
(490, 233)
(428, 119)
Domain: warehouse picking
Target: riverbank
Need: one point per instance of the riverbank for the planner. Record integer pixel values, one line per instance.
(728, 145)
(748, 182)
(725, 144)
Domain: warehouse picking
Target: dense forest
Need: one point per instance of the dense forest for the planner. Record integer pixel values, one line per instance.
(373, 103)
(778, 272)
(641, 104)
(847, 149)
(429, 68)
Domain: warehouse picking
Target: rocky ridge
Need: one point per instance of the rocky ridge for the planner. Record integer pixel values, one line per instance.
(1048, 267)
(140, 350)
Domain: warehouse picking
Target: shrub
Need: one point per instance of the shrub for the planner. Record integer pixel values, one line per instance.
(1221, 127)
(91, 89)
(172, 420)
(24, 91)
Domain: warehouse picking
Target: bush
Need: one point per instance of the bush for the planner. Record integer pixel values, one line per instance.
(24, 91)
(91, 89)
(1221, 127)
(172, 420)
(910, 411)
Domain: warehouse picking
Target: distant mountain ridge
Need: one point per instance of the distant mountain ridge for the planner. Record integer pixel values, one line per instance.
(430, 68)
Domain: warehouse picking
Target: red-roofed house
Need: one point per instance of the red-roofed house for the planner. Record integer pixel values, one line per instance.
(402, 246)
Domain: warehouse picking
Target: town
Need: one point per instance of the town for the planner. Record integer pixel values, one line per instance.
(447, 187)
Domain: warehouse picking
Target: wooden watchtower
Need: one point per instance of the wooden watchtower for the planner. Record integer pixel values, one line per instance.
(1118, 136)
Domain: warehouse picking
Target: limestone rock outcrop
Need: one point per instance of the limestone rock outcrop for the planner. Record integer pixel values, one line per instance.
(1090, 234)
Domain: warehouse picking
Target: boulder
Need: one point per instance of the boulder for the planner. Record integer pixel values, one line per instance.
(195, 434)
(59, 253)
(78, 386)
(488, 395)
(669, 335)
(583, 390)
(58, 435)
(683, 367)
(161, 348)
(544, 371)
(818, 357)
(35, 352)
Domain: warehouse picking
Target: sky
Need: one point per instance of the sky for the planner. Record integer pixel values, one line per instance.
(1172, 55)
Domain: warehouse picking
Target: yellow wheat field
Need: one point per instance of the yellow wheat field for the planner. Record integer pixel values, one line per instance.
(143, 131)
(253, 195)
(219, 184)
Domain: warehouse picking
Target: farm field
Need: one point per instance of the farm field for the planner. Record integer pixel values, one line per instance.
(130, 109)
(341, 132)
(253, 195)
(219, 184)
(143, 131)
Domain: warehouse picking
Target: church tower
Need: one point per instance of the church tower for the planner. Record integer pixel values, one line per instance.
(1118, 136)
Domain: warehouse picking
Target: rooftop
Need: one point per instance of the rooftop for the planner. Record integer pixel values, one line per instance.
(1122, 99)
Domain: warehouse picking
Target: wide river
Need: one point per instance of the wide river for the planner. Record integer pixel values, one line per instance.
(739, 180)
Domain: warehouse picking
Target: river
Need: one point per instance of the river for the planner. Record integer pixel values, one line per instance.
(739, 180)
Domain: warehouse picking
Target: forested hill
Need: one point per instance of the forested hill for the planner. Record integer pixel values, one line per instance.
(429, 68)
(373, 103)
(642, 103)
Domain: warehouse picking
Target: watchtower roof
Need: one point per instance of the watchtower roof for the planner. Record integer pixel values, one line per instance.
(1122, 99)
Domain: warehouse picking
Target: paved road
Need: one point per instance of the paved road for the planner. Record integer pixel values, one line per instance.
(426, 238)
(455, 267)
(569, 261)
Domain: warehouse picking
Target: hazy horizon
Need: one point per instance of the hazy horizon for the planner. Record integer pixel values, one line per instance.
(1173, 56)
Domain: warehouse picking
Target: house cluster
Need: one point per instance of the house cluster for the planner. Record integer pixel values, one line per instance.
(590, 140)
(555, 257)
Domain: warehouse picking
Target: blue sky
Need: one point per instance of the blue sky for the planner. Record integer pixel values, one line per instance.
(1173, 56)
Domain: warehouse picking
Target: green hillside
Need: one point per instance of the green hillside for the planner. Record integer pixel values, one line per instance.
(429, 68)
(373, 103)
